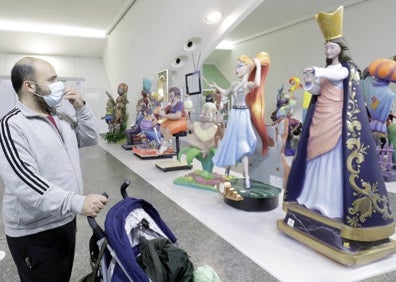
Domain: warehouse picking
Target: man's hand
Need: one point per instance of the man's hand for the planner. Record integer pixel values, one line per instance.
(93, 204)
(74, 97)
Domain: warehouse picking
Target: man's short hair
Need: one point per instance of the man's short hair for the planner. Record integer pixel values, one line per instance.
(23, 70)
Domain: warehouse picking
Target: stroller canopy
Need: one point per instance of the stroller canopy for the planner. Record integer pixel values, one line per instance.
(120, 241)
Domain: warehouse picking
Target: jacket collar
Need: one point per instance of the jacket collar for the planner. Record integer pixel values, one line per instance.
(27, 112)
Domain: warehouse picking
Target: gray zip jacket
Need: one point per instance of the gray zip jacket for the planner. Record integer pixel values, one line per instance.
(40, 168)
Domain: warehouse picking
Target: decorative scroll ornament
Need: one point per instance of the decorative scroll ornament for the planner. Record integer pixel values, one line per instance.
(368, 200)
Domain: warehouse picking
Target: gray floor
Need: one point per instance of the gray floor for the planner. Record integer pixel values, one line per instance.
(103, 173)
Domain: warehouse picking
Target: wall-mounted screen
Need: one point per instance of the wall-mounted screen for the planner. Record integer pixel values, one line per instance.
(193, 83)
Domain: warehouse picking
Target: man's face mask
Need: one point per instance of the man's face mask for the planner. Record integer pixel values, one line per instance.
(56, 93)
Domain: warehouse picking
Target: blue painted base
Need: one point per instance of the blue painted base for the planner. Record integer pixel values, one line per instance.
(324, 235)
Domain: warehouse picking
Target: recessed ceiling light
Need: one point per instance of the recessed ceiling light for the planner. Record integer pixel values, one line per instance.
(214, 17)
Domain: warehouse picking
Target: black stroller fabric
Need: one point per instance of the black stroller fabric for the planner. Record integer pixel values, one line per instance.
(164, 262)
(119, 239)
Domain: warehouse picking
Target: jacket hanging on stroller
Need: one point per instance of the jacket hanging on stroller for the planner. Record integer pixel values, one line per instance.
(163, 261)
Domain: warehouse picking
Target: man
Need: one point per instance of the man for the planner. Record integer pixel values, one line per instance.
(40, 167)
(176, 119)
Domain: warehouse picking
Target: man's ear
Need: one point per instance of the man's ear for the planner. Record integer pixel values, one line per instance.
(28, 86)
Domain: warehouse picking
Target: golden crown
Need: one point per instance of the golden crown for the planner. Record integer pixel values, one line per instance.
(331, 23)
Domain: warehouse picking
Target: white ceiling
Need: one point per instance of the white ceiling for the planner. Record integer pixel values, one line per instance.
(104, 14)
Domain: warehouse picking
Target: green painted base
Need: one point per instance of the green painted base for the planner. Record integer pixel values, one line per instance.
(202, 180)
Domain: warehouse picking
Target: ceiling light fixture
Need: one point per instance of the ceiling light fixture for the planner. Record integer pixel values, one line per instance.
(225, 45)
(214, 17)
(52, 29)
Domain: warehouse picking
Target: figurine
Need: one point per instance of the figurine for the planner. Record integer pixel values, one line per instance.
(116, 116)
(203, 132)
(240, 140)
(295, 126)
(202, 141)
(219, 102)
(121, 102)
(109, 115)
(335, 184)
(143, 106)
(175, 119)
(379, 96)
(337, 85)
(281, 116)
(150, 127)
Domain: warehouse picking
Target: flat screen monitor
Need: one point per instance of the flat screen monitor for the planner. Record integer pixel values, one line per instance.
(193, 83)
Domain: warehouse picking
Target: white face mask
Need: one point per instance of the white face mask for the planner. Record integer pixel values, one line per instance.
(55, 97)
(56, 93)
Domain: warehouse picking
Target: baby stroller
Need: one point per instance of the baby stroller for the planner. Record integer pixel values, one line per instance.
(136, 245)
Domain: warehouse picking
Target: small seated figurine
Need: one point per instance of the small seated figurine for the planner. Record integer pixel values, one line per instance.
(135, 128)
(204, 131)
(141, 109)
(149, 125)
(176, 119)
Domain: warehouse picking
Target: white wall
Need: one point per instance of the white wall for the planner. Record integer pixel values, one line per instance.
(368, 29)
(89, 70)
(153, 33)
(135, 50)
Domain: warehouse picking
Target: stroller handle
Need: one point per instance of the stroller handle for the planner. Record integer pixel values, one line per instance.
(123, 188)
(97, 230)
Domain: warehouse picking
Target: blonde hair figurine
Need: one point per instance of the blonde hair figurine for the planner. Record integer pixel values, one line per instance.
(239, 141)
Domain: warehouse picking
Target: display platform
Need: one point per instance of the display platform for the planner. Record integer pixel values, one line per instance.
(323, 234)
(127, 146)
(259, 197)
(172, 165)
(261, 240)
(147, 152)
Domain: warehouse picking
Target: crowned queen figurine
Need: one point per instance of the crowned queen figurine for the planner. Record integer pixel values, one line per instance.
(335, 198)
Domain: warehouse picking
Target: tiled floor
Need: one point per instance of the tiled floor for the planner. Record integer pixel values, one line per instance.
(240, 246)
